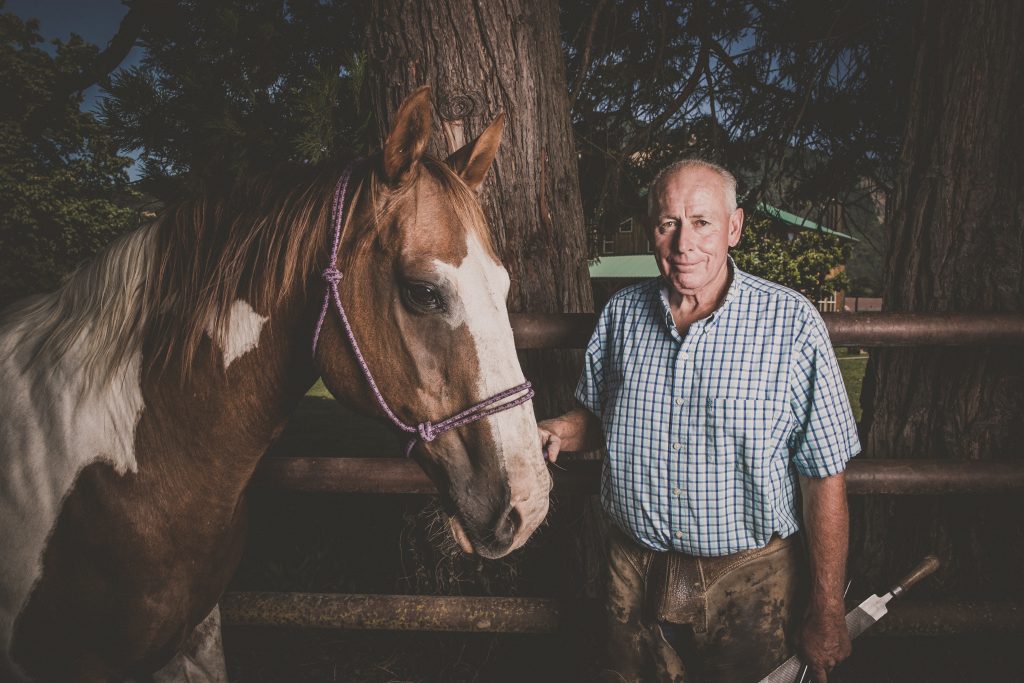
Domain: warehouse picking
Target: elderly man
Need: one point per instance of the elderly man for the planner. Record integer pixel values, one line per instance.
(715, 393)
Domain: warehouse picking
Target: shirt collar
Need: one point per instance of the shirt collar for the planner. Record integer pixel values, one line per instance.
(738, 284)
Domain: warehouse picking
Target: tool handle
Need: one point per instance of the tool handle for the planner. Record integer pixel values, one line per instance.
(927, 567)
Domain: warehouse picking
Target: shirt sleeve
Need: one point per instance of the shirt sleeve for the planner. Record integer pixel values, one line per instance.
(590, 389)
(825, 437)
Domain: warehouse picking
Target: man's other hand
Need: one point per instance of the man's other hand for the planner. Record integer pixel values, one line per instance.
(824, 641)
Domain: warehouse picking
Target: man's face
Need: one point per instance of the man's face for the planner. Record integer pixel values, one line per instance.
(692, 229)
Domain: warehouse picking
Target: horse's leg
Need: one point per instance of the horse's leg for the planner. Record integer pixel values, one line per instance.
(201, 658)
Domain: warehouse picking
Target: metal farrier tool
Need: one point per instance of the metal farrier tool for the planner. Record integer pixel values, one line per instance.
(860, 618)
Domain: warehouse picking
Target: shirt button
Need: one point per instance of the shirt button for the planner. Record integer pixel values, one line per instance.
(679, 534)
(676, 446)
(679, 401)
(684, 355)
(677, 492)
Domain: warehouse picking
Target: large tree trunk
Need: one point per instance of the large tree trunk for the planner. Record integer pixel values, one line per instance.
(956, 245)
(482, 58)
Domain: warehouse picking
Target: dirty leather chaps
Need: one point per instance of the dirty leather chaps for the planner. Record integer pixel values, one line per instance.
(675, 617)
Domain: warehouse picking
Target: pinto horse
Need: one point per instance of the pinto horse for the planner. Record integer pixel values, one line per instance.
(136, 401)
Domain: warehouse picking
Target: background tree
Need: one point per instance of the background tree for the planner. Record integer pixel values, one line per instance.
(64, 190)
(956, 245)
(794, 95)
(228, 88)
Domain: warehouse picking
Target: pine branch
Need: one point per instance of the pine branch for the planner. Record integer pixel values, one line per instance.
(581, 75)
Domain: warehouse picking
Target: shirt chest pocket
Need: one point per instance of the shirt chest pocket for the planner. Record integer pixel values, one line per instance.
(747, 431)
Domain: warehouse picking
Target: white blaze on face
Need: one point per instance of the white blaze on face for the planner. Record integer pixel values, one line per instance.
(482, 284)
(53, 424)
(242, 333)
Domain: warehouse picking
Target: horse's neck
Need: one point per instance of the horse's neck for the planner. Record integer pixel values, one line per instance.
(214, 428)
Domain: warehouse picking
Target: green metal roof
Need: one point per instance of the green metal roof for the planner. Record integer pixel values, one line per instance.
(800, 221)
(633, 266)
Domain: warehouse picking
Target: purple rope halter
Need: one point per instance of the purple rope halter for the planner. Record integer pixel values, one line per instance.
(425, 431)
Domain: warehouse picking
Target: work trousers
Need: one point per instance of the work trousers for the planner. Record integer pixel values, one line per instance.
(679, 618)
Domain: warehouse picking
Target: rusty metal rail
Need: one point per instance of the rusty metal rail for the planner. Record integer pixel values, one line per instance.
(571, 330)
(545, 615)
(864, 476)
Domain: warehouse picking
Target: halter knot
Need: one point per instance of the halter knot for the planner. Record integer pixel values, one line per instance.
(426, 431)
(332, 275)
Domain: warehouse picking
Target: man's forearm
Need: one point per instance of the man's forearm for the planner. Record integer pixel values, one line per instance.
(824, 640)
(826, 526)
(578, 430)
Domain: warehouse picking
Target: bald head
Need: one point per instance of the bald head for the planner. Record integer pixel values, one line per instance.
(728, 180)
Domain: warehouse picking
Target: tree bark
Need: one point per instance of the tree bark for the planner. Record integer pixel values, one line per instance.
(482, 58)
(956, 245)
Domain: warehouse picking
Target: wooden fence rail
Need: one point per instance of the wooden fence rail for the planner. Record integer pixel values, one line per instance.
(546, 615)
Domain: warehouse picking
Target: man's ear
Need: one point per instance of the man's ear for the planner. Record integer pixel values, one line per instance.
(472, 160)
(735, 227)
(408, 137)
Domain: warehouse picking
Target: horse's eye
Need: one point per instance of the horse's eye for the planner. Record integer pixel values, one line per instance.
(423, 298)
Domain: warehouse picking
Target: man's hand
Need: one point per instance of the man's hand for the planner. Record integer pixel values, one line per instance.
(577, 430)
(550, 443)
(824, 641)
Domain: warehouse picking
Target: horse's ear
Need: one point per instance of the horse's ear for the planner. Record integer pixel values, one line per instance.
(408, 137)
(472, 161)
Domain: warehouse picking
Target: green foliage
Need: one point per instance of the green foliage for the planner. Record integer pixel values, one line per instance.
(806, 263)
(63, 187)
(238, 86)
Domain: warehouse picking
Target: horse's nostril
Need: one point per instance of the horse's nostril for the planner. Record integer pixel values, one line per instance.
(507, 526)
(515, 521)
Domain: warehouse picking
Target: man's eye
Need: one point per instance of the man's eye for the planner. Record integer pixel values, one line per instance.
(667, 226)
(701, 223)
(423, 298)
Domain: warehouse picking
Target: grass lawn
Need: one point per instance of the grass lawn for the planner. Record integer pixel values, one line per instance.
(318, 390)
(852, 366)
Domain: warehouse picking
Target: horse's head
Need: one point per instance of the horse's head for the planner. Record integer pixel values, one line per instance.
(425, 294)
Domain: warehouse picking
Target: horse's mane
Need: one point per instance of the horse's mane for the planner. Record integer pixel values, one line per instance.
(175, 280)
(255, 240)
(98, 310)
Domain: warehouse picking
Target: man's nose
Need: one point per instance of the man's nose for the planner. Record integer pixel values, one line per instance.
(684, 239)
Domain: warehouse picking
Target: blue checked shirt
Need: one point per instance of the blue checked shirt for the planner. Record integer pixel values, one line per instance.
(705, 433)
